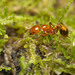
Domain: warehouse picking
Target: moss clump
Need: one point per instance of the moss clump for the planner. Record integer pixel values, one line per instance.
(22, 53)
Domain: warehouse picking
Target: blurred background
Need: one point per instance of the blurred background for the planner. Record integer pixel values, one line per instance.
(46, 9)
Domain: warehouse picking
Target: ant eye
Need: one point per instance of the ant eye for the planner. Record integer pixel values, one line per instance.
(33, 32)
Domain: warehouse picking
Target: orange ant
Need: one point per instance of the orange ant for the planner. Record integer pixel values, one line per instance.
(48, 29)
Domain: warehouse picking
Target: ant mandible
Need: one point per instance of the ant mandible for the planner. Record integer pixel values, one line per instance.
(48, 29)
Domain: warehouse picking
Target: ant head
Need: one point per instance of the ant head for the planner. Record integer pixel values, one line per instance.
(35, 29)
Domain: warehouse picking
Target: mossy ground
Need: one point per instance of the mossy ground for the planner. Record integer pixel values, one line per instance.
(21, 53)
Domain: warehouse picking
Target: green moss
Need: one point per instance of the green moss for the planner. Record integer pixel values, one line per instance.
(24, 65)
(54, 53)
(5, 68)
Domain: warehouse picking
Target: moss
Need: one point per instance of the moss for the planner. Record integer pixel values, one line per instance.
(21, 50)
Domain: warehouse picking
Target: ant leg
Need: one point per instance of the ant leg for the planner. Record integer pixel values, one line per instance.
(37, 39)
(44, 34)
(58, 41)
(56, 34)
(50, 24)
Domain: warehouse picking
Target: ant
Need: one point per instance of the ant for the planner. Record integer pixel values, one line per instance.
(48, 29)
